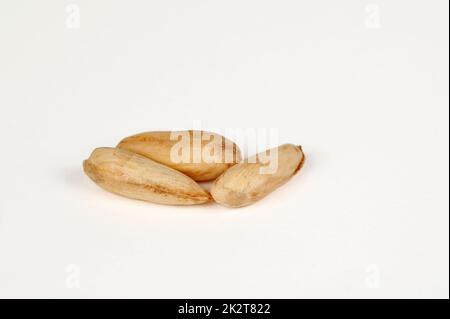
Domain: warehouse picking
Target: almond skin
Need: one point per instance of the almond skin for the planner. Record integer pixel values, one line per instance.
(158, 146)
(243, 184)
(132, 175)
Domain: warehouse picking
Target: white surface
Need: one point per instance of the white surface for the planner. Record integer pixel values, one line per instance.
(366, 217)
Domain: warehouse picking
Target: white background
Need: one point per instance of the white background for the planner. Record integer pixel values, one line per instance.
(362, 85)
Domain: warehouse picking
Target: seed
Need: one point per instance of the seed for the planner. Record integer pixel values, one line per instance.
(135, 176)
(201, 155)
(249, 181)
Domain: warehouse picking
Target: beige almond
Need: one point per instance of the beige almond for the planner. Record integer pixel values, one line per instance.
(135, 176)
(249, 181)
(207, 155)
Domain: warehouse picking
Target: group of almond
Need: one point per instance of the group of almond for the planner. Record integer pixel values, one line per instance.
(143, 167)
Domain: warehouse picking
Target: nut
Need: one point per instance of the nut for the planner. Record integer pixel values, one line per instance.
(246, 182)
(201, 155)
(135, 176)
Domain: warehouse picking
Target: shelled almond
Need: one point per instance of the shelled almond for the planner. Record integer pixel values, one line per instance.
(135, 176)
(246, 183)
(201, 155)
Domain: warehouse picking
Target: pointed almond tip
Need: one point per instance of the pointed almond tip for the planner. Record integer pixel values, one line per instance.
(121, 142)
(300, 165)
(84, 164)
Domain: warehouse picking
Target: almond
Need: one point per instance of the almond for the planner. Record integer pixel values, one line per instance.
(201, 155)
(132, 175)
(249, 181)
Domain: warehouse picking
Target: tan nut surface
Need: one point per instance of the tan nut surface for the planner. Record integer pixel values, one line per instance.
(135, 176)
(159, 145)
(243, 184)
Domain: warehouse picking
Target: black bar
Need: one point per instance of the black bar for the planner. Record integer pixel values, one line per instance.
(236, 308)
